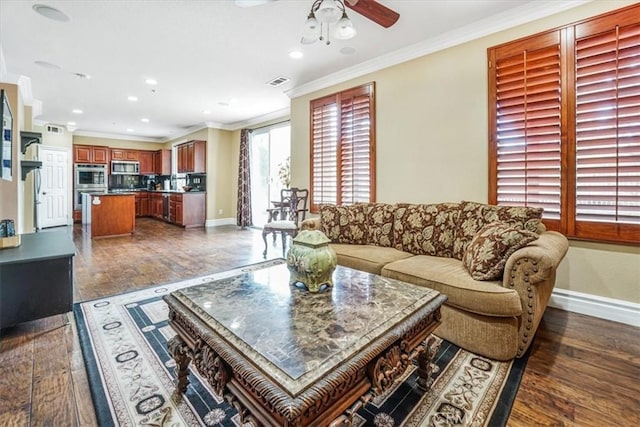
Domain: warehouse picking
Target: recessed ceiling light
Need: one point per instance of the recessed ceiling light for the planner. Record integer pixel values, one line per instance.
(132, 98)
(71, 123)
(347, 50)
(206, 112)
(50, 65)
(144, 120)
(296, 54)
(82, 76)
(50, 12)
(129, 130)
(151, 81)
(77, 111)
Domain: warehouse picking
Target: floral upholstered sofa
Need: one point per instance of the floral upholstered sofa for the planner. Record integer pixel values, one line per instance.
(496, 264)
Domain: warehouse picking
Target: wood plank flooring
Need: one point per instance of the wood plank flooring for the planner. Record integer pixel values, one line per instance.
(582, 371)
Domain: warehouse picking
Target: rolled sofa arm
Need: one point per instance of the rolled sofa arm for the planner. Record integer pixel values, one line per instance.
(310, 224)
(531, 271)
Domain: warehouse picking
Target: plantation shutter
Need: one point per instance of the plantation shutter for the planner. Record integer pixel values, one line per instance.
(527, 125)
(607, 127)
(355, 147)
(324, 159)
(343, 147)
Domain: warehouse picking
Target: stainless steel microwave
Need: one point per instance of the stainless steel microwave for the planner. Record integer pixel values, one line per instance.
(119, 167)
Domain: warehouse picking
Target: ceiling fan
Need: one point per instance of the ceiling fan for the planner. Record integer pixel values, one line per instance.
(370, 9)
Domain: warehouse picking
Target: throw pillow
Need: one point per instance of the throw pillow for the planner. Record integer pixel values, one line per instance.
(425, 229)
(490, 248)
(379, 220)
(474, 216)
(344, 224)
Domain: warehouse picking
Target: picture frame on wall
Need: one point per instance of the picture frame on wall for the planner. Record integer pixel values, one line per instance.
(6, 161)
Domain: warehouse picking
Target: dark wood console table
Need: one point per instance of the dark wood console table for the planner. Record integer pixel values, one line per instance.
(36, 278)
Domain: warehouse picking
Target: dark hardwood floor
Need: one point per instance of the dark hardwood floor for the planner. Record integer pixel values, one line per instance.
(582, 371)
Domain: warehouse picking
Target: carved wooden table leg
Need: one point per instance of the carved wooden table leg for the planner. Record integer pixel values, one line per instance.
(179, 350)
(425, 367)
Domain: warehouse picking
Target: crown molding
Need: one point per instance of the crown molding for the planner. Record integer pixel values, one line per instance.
(278, 114)
(118, 136)
(511, 18)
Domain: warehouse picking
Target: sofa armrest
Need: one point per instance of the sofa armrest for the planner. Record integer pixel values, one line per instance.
(310, 224)
(531, 271)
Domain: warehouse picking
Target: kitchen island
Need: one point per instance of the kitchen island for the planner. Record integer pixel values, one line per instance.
(109, 214)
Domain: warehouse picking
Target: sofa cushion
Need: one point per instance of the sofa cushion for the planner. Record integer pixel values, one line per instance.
(489, 250)
(448, 276)
(367, 258)
(473, 216)
(344, 224)
(379, 220)
(425, 229)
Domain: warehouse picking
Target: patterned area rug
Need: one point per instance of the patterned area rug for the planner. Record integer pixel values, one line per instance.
(131, 374)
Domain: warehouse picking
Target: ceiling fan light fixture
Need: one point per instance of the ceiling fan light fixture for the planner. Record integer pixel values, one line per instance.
(329, 12)
(344, 28)
(323, 15)
(311, 27)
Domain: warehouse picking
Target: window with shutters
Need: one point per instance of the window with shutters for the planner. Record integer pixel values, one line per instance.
(343, 147)
(564, 131)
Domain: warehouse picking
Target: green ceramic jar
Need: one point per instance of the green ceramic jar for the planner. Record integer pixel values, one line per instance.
(311, 260)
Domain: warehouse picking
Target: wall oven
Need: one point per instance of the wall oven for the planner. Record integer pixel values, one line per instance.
(88, 178)
(92, 175)
(119, 167)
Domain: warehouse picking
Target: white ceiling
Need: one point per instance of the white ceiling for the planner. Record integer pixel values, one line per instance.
(205, 54)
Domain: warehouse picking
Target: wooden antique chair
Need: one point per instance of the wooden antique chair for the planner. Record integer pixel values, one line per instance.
(285, 216)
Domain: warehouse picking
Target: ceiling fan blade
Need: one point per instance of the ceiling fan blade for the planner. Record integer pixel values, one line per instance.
(373, 10)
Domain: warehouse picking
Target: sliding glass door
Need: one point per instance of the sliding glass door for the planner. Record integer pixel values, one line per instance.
(270, 151)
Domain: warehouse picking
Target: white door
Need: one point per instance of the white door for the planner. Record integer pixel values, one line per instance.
(52, 187)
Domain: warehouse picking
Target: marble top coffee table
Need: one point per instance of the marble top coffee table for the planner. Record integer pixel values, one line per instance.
(283, 356)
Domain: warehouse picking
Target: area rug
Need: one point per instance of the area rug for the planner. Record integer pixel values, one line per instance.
(131, 375)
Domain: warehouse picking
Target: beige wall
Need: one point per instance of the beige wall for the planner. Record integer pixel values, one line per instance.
(221, 173)
(432, 144)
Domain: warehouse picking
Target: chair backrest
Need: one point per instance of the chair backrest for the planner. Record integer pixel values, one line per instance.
(295, 199)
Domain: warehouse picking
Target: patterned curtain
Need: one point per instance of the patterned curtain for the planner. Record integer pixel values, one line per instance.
(244, 181)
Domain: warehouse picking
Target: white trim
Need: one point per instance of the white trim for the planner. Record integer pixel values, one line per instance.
(279, 114)
(219, 222)
(596, 306)
(118, 136)
(511, 18)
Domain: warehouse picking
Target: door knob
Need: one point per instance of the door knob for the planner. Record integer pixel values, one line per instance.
(44, 192)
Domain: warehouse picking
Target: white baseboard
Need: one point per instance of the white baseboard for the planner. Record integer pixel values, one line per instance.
(219, 222)
(596, 306)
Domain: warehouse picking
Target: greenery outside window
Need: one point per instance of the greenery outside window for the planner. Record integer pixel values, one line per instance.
(343, 147)
(564, 126)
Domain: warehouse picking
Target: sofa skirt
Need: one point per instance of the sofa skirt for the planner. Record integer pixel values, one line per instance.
(492, 337)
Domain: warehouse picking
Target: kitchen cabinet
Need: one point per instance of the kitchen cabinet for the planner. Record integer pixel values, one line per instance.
(142, 203)
(146, 162)
(89, 154)
(123, 154)
(175, 209)
(162, 162)
(155, 205)
(187, 209)
(192, 157)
